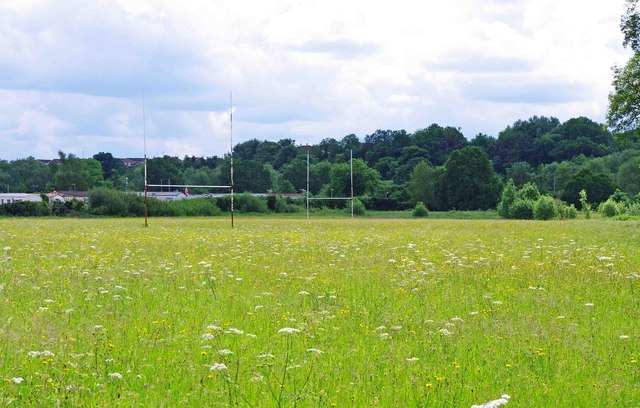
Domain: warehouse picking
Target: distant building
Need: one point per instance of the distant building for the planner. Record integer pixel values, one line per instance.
(8, 198)
(167, 195)
(131, 162)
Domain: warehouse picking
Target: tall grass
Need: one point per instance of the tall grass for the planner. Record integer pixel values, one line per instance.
(318, 313)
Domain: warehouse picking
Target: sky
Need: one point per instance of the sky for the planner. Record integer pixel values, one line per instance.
(129, 76)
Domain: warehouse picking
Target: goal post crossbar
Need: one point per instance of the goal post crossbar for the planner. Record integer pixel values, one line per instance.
(185, 186)
(330, 198)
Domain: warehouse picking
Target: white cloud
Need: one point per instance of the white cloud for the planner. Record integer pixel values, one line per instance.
(73, 72)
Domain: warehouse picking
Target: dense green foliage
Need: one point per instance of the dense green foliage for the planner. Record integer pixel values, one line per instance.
(392, 169)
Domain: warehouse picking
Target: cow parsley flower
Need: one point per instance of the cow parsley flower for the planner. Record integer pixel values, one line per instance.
(17, 380)
(225, 352)
(495, 403)
(117, 376)
(315, 350)
(218, 367)
(288, 330)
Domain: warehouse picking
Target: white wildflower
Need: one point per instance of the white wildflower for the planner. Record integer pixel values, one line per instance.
(253, 336)
(412, 359)
(315, 350)
(288, 330)
(445, 332)
(207, 336)
(303, 293)
(17, 380)
(225, 352)
(473, 313)
(381, 328)
(396, 328)
(218, 367)
(266, 356)
(560, 317)
(624, 337)
(588, 304)
(48, 301)
(384, 335)
(495, 403)
(257, 378)
(115, 375)
(457, 319)
(98, 327)
(234, 331)
(7, 248)
(213, 327)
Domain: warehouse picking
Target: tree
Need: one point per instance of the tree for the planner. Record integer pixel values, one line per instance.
(248, 176)
(520, 173)
(77, 174)
(630, 26)
(598, 186)
(439, 142)
(469, 181)
(623, 115)
(109, 164)
(28, 175)
(365, 179)
(422, 184)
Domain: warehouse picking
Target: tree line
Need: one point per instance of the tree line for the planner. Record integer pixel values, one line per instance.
(392, 169)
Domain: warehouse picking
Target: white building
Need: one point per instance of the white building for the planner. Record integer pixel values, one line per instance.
(8, 198)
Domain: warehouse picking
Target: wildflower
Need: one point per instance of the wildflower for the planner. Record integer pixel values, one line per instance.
(560, 317)
(381, 328)
(225, 352)
(218, 367)
(98, 327)
(624, 337)
(234, 331)
(257, 378)
(7, 248)
(117, 376)
(412, 359)
(288, 330)
(315, 350)
(457, 319)
(428, 385)
(589, 304)
(303, 293)
(17, 380)
(445, 332)
(207, 336)
(495, 403)
(266, 356)
(212, 327)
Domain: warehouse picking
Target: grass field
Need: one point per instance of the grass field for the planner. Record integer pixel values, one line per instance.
(290, 312)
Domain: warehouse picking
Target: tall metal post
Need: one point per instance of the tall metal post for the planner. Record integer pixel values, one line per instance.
(308, 150)
(231, 139)
(144, 135)
(352, 201)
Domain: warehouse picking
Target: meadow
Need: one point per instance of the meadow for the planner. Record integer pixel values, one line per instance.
(342, 312)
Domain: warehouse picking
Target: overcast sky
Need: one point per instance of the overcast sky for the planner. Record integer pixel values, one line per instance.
(73, 72)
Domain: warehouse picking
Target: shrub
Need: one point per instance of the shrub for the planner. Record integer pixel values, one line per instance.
(566, 212)
(522, 209)
(508, 197)
(420, 210)
(609, 208)
(358, 207)
(103, 201)
(634, 209)
(529, 191)
(544, 208)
